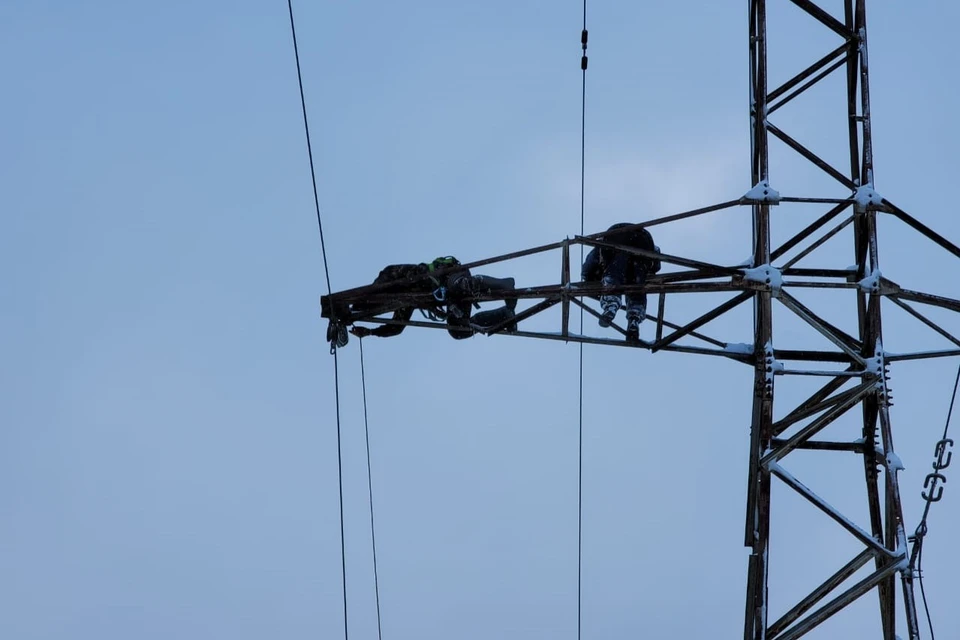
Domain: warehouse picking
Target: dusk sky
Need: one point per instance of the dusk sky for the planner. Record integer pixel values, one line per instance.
(168, 441)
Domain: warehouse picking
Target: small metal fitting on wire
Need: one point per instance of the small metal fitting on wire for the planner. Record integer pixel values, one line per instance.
(336, 336)
(583, 44)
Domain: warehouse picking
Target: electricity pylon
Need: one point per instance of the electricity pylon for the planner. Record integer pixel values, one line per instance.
(855, 367)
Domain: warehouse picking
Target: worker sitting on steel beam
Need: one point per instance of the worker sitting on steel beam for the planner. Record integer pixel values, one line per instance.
(451, 291)
(611, 268)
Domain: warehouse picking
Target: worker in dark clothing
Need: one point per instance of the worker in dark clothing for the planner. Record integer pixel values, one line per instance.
(611, 268)
(451, 291)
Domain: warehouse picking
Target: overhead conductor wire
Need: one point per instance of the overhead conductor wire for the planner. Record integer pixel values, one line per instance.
(583, 138)
(373, 535)
(326, 269)
(921, 531)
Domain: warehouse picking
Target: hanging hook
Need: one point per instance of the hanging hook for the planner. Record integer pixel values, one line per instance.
(936, 491)
(942, 447)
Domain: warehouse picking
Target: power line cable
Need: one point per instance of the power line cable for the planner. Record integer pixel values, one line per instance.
(933, 493)
(583, 147)
(373, 535)
(326, 271)
(306, 129)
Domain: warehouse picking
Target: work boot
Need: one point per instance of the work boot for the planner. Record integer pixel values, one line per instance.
(461, 284)
(633, 329)
(635, 315)
(486, 320)
(610, 305)
(488, 284)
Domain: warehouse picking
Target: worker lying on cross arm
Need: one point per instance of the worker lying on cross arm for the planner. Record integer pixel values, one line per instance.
(452, 291)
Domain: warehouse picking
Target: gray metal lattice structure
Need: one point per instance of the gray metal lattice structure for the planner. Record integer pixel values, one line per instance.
(855, 369)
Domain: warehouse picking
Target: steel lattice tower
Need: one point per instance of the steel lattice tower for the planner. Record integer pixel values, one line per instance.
(886, 542)
(855, 368)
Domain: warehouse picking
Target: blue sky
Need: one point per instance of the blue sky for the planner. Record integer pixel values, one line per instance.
(168, 450)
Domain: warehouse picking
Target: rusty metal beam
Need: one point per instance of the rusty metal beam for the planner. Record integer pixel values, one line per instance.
(523, 315)
(928, 299)
(811, 156)
(835, 335)
(800, 284)
(811, 355)
(822, 394)
(896, 537)
(660, 312)
(811, 497)
(808, 230)
(683, 276)
(800, 90)
(828, 20)
(374, 295)
(815, 200)
(683, 216)
(822, 445)
(837, 604)
(820, 592)
(853, 75)
(702, 320)
(564, 281)
(809, 408)
(922, 318)
(923, 355)
(672, 325)
(819, 242)
(809, 71)
(922, 228)
(715, 269)
(807, 432)
(757, 521)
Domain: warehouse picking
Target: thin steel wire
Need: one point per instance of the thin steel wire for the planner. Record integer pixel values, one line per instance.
(326, 271)
(583, 153)
(373, 535)
(921, 531)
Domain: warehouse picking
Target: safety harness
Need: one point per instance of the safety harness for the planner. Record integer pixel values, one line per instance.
(440, 289)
